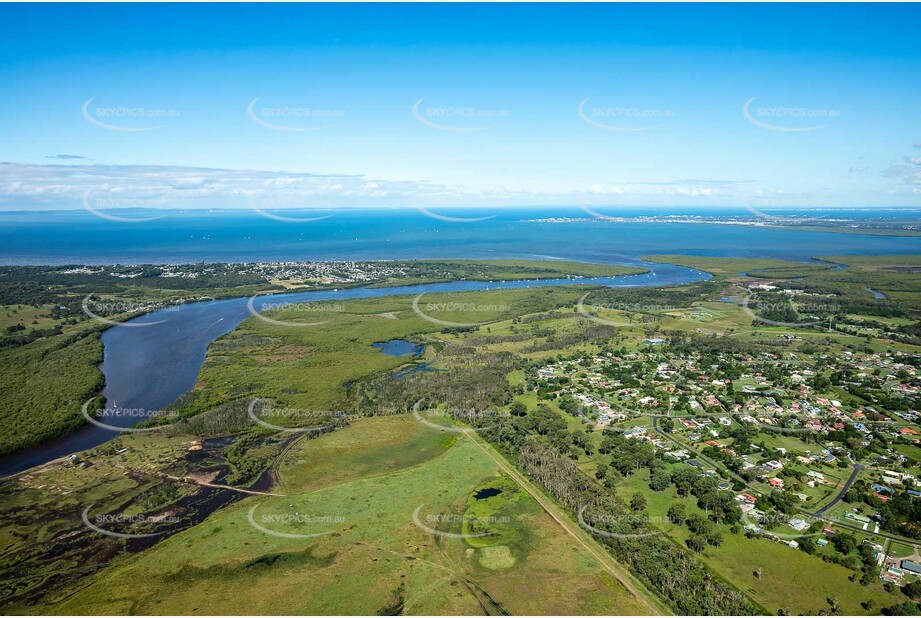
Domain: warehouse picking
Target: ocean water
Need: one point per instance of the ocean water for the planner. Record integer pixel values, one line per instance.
(80, 237)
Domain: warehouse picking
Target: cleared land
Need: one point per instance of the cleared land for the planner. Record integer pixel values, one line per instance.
(374, 557)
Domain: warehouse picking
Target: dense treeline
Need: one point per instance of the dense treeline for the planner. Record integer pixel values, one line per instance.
(587, 332)
(848, 289)
(44, 386)
(40, 285)
(14, 339)
(684, 343)
(652, 299)
(491, 270)
(228, 418)
(472, 381)
(561, 477)
(682, 580)
(543, 447)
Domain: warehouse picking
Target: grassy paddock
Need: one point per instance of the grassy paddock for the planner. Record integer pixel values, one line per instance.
(375, 557)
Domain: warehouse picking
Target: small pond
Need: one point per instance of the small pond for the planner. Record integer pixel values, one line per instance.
(487, 492)
(399, 347)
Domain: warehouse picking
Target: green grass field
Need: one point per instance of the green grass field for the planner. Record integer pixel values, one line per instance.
(375, 557)
(371, 447)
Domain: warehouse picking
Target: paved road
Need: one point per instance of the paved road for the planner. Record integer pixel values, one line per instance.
(820, 514)
(847, 486)
(884, 535)
(697, 456)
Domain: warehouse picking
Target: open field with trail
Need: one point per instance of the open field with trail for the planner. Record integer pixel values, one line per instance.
(370, 556)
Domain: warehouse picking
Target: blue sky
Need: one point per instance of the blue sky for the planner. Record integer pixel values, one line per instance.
(376, 105)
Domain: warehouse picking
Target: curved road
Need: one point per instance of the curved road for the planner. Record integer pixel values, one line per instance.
(819, 514)
(847, 485)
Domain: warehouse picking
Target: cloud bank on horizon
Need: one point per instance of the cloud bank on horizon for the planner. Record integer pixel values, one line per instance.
(27, 186)
(495, 105)
(50, 186)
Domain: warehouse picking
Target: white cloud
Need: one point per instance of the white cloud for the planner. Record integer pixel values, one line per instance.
(905, 173)
(28, 186)
(24, 185)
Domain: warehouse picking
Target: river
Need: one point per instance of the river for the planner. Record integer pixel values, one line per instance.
(149, 367)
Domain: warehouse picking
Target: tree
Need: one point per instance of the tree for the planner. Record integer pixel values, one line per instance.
(638, 502)
(602, 473)
(684, 480)
(913, 590)
(844, 543)
(697, 542)
(518, 409)
(660, 480)
(902, 609)
(821, 383)
(699, 524)
(676, 512)
(570, 405)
